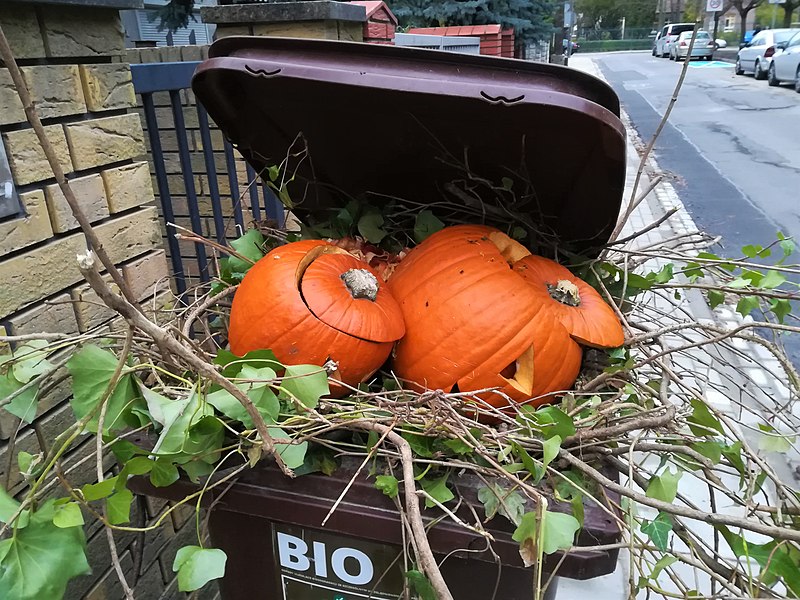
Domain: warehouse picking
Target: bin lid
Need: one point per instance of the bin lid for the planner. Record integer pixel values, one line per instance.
(404, 122)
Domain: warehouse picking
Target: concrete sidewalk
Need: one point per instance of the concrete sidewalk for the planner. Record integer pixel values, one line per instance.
(746, 374)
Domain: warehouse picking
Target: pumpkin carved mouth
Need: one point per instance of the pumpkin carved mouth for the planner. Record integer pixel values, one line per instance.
(472, 322)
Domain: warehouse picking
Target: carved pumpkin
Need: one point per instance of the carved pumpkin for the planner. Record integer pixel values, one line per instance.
(310, 302)
(472, 322)
(588, 319)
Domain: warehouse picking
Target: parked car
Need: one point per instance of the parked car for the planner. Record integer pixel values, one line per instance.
(785, 66)
(667, 35)
(703, 46)
(756, 56)
(721, 43)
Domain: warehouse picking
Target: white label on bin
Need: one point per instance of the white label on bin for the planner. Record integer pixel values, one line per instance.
(313, 563)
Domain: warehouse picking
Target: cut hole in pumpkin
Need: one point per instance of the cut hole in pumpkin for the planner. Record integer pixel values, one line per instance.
(521, 371)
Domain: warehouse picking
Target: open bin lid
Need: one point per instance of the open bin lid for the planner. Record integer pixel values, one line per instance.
(389, 120)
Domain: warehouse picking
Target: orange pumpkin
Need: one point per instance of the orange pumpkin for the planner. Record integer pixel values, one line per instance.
(587, 317)
(310, 302)
(472, 322)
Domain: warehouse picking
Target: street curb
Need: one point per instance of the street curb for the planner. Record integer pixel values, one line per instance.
(665, 198)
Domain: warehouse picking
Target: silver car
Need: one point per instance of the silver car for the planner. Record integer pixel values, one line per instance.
(785, 66)
(668, 34)
(756, 56)
(703, 46)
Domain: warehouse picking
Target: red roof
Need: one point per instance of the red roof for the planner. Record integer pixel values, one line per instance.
(467, 30)
(374, 6)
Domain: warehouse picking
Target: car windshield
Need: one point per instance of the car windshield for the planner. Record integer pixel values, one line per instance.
(701, 35)
(681, 28)
(784, 36)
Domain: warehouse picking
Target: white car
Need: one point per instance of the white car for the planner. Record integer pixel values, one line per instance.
(703, 47)
(756, 56)
(667, 35)
(785, 67)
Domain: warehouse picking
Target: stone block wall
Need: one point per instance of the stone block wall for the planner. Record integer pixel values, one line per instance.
(72, 58)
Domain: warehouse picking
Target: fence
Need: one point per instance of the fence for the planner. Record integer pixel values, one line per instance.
(459, 44)
(201, 182)
(538, 52)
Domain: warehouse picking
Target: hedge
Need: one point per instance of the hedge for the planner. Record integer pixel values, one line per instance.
(611, 45)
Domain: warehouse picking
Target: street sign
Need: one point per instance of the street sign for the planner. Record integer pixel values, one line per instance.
(777, 1)
(714, 5)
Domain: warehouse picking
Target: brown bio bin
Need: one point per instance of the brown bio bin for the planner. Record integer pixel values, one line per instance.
(381, 119)
(270, 527)
(391, 120)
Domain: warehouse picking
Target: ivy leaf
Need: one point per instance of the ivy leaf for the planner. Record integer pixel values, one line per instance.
(387, 484)
(781, 307)
(25, 404)
(770, 440)
(179, 416)
(197, 566)
(119, 506)
(438, 490)
(552, 421)
(746, 305)
(496, 499)
(8, 506)
(788, 246)
(739, 283)
(664, 487)
(772, 280)
(557, 533)
(421, 445)
(98, 491)
(250, 246)
(426, 224)
(292, 454)
(91, 371)
(702, 422)
(164, 472)
(38, 562)
(550, 448)
(370, 226)
(307, 383)
(664, 275)
(773, 557)
(68, 515)
(715, 298)
(751, 251)
(458, 446)
(30, 360)
(422, 587)
(711, 449)
(661, 564)
(658, 530)
(232, 364)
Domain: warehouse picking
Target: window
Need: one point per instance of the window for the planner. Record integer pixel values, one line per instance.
(730, 23)
(782, 36)
(795, 41)
(759, 40)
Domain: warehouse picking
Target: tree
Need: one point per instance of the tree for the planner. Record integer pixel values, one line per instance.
(788, 9)
(175, 15)
(743, 7)
(531, 19)
(608, 14)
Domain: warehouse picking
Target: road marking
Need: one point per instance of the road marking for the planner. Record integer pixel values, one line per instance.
(714, 64)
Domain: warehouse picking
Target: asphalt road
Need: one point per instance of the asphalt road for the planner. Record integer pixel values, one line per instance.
(732, 145)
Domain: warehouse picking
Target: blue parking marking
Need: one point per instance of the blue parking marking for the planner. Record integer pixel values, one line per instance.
(713, 64)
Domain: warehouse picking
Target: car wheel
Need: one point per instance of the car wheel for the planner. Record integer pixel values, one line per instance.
(797, 81)
(653, 52)
(758, 72)
(772, 79)
(738, 68)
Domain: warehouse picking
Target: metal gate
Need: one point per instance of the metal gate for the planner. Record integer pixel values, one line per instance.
(226, 219)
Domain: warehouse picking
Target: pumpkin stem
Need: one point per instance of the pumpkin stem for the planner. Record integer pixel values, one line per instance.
(361, 284)
(565, 292)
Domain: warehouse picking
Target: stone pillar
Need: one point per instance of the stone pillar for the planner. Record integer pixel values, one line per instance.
(323, 19)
